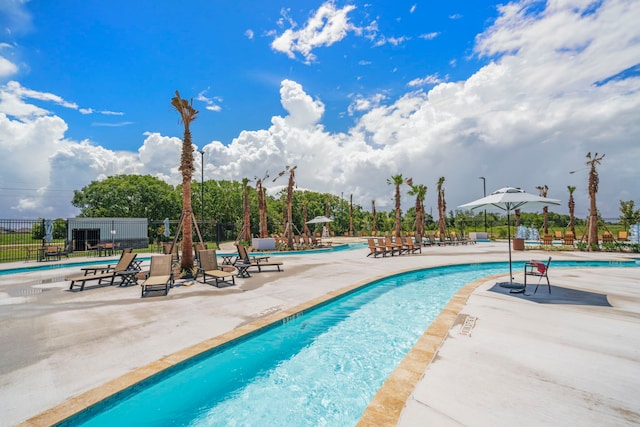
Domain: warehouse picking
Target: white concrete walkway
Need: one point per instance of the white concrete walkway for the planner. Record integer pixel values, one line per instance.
(531, 362)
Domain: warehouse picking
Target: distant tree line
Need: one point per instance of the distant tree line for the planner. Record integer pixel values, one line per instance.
(144, 196)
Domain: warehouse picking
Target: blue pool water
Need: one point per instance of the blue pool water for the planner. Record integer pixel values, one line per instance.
(41, 267)
(334, 248)
(317, 368)
(33, 268)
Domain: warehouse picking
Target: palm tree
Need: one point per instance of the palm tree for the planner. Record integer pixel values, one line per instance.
(572, 210)
(262, 206)
(442, 210)
(246, 212)
(289, 206)
(543, 189)
(187, 115)
(397, 180)
(351, 215)
(420, 191)
(374, 227)
(592, 240)
(327, 209)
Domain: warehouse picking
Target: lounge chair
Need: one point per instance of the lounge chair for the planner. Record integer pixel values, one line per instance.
(623, 236)
(123, 270)
(537, 269)
(547, 239)
(607, 237)
(209, 267)
(171, 249)
(376, 250)
(568, 239)
(51, 252)
(411, 245)
(258, 262)
(557, 235)
(160, 277)
(109, 267)
(394, 247)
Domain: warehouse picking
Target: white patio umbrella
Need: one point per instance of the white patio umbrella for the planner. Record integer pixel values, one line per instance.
(509, 199)
(319, 219)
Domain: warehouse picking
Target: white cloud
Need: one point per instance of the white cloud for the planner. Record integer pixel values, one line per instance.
(212, 103)
(361, 103)
(249, 34)
(429, 36)
(7, 68)
(326, 27)
(303, 110)
(412, 8)
(428, 80)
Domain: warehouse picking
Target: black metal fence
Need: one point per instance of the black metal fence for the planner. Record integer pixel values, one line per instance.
(30, 240)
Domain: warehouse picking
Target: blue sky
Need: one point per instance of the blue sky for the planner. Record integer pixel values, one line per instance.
(352, 92)
(129, 57)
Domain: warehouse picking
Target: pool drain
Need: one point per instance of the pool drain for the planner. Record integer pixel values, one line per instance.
(468, 325)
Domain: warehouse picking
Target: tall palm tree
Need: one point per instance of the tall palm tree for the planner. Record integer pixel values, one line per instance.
(420, 191)
(397, 181)
(327, 211)
(288, 219)
(304, 219)
(351, 215)
(262, 206)
(442, 210)
(543, 189)
(246, 211)
(592, 240)
(374, 227)
(187, 115)
(572, 210)
(290, 185)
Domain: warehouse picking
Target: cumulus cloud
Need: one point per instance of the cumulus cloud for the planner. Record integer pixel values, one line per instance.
(303, 111)
(329, 25)
(361, 103)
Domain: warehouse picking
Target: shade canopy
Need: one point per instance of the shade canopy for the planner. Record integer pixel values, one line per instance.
(319, 219)
(509, 199)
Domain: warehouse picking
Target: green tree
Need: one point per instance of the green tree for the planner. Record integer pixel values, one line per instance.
(127, 196)
(629, 215)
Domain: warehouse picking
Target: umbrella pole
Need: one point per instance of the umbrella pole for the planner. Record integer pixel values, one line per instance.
(515, 287)
(509, 242)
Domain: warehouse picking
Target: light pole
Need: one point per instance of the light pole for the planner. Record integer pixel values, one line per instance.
(484, 192)
(202, 185)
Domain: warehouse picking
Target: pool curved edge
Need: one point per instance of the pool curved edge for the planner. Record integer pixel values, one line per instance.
(389, 401)
(83, 401)
(383, 410)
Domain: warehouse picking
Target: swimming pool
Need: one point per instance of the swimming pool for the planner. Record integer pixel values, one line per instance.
(32, 268)
(320, 367)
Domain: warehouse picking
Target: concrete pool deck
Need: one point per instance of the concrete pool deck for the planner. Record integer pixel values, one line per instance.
(491, 358)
